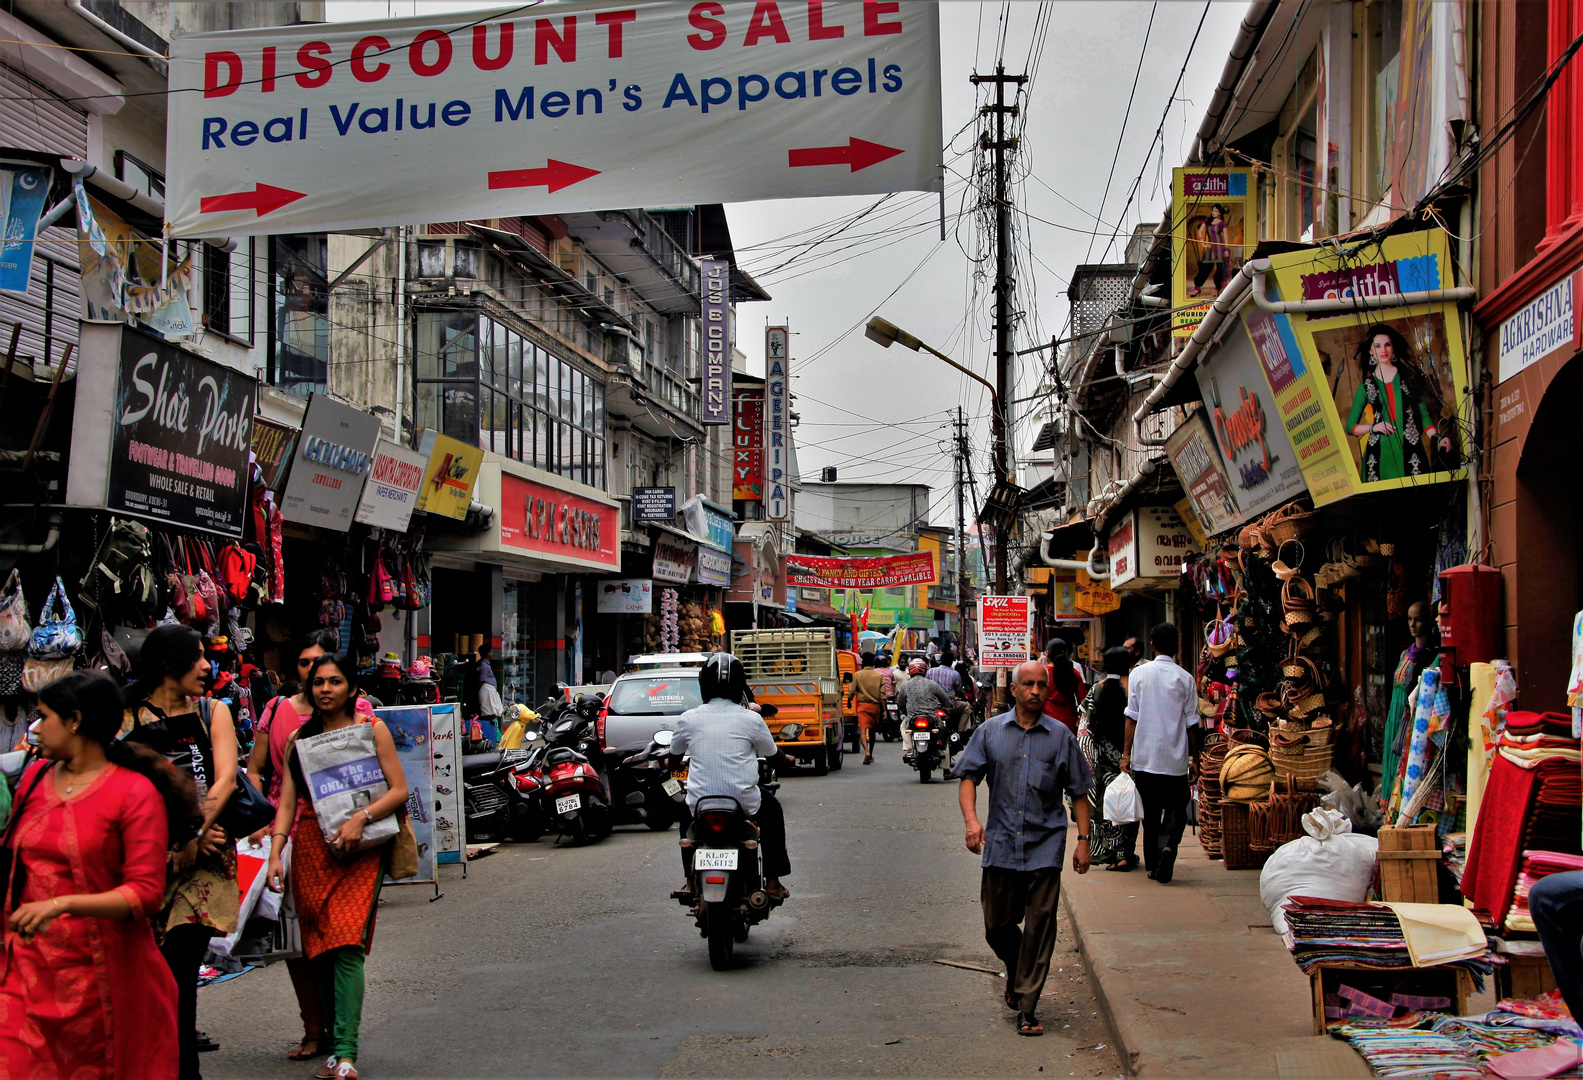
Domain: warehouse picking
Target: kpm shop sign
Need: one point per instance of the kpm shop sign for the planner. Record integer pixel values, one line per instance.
(552, 109)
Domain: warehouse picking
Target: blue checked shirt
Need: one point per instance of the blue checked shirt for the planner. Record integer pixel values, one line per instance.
(1028, 772)
(723, 743)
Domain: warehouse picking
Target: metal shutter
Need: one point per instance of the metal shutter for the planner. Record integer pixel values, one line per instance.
(40, 120)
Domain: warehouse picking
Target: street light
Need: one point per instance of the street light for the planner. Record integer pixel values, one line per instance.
(886, 333)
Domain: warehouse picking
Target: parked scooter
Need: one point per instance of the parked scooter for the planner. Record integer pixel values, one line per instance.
(928, 742)
(574, 788)
(641, 786)
(500, 796)
(727, 896)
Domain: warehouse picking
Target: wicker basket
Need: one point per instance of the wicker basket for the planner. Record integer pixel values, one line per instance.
(1236, 838)
(1279, 820)
(1298, 759)
(1210, 794)
(1290, 522)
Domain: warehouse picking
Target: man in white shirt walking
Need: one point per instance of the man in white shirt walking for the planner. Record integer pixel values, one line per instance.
(1161, 749)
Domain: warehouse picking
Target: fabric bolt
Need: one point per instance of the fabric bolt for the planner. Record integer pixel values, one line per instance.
(1429, 721)
(1398, 720)
(1575, 677)
(1495, 851)
(723, 743)
(1437, 933)
(1338, 933)
(1030, 772)
(57, 993)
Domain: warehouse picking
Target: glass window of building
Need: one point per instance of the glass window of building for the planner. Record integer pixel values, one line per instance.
(482, 382)
(299, 303)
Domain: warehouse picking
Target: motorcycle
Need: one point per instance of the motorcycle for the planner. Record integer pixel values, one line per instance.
(500, 796)
(890, 722)
(727, 897)
(928, 742)
(642, 788)
(574, 786)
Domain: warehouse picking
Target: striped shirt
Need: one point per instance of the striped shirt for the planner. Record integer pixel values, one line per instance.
(723, 743)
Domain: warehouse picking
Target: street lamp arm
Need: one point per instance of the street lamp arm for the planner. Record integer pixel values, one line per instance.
(994, 395)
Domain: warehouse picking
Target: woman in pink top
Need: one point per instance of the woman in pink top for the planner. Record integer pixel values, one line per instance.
(266, 765)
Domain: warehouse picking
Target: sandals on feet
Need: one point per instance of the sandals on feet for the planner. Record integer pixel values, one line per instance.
(347, 1071)
(300, 1052)
(1028, 1024)
(327, 1070)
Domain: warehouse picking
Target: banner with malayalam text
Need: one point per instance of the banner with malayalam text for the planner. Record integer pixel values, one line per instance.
(876, 572)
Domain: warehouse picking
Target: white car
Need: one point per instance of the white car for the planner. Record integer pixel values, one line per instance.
(648, 700)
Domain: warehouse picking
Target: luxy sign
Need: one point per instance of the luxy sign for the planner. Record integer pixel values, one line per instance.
(334, 455)
(777, 424)
(567, 107)
(538, 518)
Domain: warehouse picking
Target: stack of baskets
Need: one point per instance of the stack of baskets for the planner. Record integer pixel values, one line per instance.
(1278, 820)
(1236, 837)
(1210, 793)
(1300, 753)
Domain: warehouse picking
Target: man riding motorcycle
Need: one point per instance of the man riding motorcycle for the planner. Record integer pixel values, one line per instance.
(920, 697)
(723, 741)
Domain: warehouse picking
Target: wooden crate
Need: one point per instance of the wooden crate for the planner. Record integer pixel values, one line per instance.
(1409, 864)
(1454, 983)
(1524, 975)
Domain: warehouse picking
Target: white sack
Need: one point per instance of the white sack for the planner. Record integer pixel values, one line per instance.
(1331, 862)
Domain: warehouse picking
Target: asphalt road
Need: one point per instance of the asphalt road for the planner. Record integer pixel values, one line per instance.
(573, 961)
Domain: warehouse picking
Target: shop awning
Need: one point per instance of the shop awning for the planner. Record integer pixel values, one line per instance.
(824, 611)
(944, 607)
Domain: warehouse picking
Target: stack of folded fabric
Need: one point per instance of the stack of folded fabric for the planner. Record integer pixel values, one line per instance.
(1424, 1044)
(1336, 933)
(1537, 865)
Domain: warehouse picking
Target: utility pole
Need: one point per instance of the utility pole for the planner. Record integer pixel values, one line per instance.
(1004, 356)
(960, 454)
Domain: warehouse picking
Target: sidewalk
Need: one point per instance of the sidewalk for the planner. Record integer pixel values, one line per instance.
(1191, 977)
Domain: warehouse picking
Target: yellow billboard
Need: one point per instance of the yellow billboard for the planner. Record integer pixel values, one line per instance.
(449, 476)
(1213, 216)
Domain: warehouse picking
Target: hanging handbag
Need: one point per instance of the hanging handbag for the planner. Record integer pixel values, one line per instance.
(56, 636)
(197, 608)
(206, 586)
(15, 630)
(401, 857)
(37, 674)
(12, 868)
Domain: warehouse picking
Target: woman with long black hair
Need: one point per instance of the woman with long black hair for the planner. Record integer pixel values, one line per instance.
(335, 884)
(1394, 409)
(85, 993)
(1102, 736)
(1066, 684)
(167, 710)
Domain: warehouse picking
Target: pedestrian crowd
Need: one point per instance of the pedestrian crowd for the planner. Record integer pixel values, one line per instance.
(120, 863)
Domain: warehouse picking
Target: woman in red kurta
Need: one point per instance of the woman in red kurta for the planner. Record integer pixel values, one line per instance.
(85, 993)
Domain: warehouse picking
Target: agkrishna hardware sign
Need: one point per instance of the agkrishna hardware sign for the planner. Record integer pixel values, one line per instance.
(550, 109)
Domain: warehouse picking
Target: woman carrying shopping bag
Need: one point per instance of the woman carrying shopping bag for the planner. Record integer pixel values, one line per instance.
(1101, 735)
(335, 882)
(84, 991)
(167, 710)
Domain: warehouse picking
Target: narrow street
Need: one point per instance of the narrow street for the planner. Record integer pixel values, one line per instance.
(573, 961)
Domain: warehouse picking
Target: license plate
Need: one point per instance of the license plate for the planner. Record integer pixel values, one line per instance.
(715, 859)
(568, 804)
(671, 787)
(920, 738)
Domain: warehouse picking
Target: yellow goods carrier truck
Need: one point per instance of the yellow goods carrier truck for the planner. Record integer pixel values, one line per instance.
(795, 670)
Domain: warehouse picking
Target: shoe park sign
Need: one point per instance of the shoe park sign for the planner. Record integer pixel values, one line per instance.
(550, 108)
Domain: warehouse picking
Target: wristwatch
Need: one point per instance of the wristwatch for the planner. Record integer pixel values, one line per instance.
(368, 819)
(1080, 836)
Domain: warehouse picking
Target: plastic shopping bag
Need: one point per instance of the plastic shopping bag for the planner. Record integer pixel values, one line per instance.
(1123, 806)
(344, 778)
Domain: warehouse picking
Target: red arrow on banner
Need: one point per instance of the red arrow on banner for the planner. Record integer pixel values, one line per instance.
(857, 153)
(555, 175)
(264, 198)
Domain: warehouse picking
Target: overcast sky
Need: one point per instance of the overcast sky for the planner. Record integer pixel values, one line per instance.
(883, 414)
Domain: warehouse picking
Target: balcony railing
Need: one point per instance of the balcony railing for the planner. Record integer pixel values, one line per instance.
(672, 389)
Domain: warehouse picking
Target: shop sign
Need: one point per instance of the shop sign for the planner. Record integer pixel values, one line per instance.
(182, 430)
(1250, 443)
(1370, 400)
(1096, 600)
(705, 521)
(626, 596)
(273, 444)
(1163, 541)
(654, 504)
(411, 729)
(1123, 548)
(1539, 328)
(333, 458)
(817, 596)
(716, 319)
(1213, 211)
(449, 475)
(1063, 590)
(1197, 462)
(674, 559)
(538, 518)
(777, 424)
(791, 599)
(877, 572)
(391, 493)
(747, 442)
(449, 835)
(25, 186)
(1004, 631)
(714, 568)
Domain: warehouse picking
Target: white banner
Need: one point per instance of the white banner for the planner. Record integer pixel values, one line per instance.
(391, 491)
(559, 108)
(1005, 631)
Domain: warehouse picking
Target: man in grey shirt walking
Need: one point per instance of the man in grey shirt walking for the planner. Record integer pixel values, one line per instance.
(1031, 762)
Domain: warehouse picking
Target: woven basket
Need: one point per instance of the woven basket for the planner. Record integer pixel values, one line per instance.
(1298, 760)
(1279, 820)
(1236, 838)
(1290, 522)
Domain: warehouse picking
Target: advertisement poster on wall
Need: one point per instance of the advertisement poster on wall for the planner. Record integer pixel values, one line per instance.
(449, 476)
(1198, 465)
(333, 458)
(182, 430)
(391, 493)
(410, 729)
(625, 596)
(1005, 634)
(1211, 211)
(1249, 440)
(449, 825)
(1372, 397)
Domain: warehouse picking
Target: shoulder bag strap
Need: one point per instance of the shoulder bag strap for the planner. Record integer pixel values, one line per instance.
(16, 810)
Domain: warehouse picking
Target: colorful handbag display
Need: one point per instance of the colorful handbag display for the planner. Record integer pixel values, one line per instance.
(56, 636)
(15, 630)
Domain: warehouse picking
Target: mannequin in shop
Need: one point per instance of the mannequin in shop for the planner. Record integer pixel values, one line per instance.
(1398, 718)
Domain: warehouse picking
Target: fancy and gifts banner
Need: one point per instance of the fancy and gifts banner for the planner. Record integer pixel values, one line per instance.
(876, 572)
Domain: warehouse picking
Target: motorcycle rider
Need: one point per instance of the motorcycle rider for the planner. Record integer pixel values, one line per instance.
(723, 741)
(920, 697)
